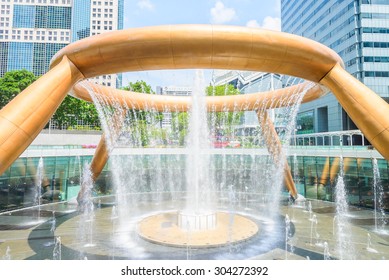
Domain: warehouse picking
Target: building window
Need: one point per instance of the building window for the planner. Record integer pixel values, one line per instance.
(305, 122)
(24, 16)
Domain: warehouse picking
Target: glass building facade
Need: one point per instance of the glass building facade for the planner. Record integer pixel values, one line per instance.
(81, 20)
(32, 31)
(315, 177)
(358, 30)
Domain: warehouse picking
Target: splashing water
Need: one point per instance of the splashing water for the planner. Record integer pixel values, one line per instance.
(38, 183)
(57, 251)
(287, 235)
(85, 203)
(53, 223)
(310, 210)
(295, 169)
(114, 213)
(326, 253)
(200, 200)
(314, 233)
(334, 224)
(7, 255)
(369, 245)
(379, 212)
(343, 231)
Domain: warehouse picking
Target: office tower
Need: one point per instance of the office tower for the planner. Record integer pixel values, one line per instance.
(358, 30)
(32, 31)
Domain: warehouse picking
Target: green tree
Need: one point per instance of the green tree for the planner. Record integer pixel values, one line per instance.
(67, 114)
(144, 121)
(72, 110)
(14, 82)
(139, 86)
(180, 126)
(223, 122)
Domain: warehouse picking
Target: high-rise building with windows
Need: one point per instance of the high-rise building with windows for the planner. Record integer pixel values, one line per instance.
(32, 31)
(358, 30)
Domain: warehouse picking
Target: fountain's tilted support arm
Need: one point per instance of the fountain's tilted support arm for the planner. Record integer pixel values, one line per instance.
(274, 147)
(100, 158)
(26, 115)
(101, 155)
(367, 109)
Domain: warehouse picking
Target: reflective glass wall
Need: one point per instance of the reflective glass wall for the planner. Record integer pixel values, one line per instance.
(53, 179)
(316, 178)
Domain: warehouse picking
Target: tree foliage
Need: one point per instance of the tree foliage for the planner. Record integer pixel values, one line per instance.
(139, 86)
(14, 82)
(180, 126)
(143, 121)
(224, 122)
(73, 111)
(222, 90)
(67, 114)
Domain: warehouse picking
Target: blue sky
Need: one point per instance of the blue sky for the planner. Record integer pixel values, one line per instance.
(138, 13)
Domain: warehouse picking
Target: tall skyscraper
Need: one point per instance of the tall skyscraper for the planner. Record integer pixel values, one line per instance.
(32, 31)
(358, 30)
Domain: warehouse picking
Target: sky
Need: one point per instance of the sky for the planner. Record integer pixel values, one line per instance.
(139, 13)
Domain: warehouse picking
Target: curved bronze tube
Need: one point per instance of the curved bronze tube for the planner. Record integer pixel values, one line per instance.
(26, 115)
(243, 102)
(196, 46)
(367, 109)
(274, 147)
(100, 158)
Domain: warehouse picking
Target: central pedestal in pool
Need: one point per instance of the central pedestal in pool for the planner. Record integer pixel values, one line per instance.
(212, 230)
(192, 221)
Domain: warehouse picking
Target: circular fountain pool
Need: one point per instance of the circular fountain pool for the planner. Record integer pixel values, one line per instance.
(240, 234)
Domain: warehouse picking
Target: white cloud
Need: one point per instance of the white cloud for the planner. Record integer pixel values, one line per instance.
(145, 5)
(221, 14)
(272, 23)
(253, 23)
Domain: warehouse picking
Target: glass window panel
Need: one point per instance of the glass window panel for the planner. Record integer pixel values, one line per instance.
(351, 180)
(365, 172)
(323, 174)
(310, 176)
(59, 17)
(23, 16)
(20, 56)
(41, 17)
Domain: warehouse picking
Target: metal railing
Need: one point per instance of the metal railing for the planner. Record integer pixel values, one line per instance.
(333, 138)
